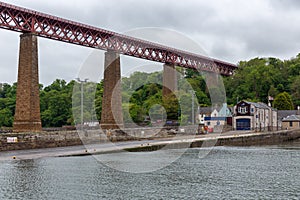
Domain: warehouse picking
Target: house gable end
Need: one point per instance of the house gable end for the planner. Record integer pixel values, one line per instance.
(243, 109)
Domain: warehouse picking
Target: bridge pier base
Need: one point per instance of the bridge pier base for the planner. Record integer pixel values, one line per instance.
(27, 114)
(112, 115)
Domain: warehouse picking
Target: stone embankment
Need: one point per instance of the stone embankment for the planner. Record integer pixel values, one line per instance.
(21, 141)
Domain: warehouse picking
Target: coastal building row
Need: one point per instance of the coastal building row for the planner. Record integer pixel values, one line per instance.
(247, 115)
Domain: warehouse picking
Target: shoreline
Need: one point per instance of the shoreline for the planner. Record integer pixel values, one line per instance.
(184, 141)
(236, 140)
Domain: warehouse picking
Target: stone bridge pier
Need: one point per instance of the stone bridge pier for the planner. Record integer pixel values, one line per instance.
(112, 114)
(169, 80)
(27, 114)
(169, 91)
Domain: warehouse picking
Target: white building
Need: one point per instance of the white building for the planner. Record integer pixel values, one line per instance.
(214, 118)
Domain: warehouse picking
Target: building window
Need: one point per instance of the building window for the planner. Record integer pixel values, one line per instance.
(243, 110)
(252, 110)
(291, 124)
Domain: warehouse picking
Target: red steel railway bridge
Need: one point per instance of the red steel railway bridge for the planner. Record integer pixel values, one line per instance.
(32, 24)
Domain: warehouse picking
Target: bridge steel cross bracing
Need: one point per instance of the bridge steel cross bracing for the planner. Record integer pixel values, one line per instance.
(24, 20)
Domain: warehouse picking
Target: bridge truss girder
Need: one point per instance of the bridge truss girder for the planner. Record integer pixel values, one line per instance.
(24, 20)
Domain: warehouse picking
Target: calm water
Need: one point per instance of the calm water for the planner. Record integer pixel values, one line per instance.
(226, 173)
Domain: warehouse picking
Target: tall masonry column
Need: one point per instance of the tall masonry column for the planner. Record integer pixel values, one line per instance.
(112, 115)
(27, 113)
(169, 80)
(169, 92)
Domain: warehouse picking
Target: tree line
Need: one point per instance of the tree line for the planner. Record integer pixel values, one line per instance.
(255, 80)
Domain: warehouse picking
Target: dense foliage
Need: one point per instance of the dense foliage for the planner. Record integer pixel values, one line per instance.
(259, 78)
(55, 103)
(255, 80)
(7, 104)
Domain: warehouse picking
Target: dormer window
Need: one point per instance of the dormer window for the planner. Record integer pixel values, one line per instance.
(243, 110)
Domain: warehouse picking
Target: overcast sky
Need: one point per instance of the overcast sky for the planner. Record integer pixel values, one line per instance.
(229, 30)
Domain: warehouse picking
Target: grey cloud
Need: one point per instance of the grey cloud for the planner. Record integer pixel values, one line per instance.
(285, 4)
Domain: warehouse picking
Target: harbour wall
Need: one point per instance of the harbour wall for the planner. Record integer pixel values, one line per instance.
(22, 141)
(244, 139)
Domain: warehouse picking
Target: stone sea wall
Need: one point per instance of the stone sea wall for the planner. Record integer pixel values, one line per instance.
(265, 138)
(38, 140)
(71, 138)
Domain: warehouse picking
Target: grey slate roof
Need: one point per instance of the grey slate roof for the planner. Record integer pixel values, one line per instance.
(209, 110)
(285, 113)
(292, 118)
(259, 105)
(205, 110)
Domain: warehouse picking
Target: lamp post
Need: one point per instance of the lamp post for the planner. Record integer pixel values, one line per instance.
(193, 105)
(81, 99)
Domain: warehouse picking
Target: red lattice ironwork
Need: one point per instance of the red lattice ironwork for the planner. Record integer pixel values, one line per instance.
(24, 20)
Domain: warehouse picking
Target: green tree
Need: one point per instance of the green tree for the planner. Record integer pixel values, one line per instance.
(295, 90)
(137, 113)
(56, 104)
(6, 117)
(186, 108)
(58, 109)
(98, 100)
(273, 91)
(256, 79)
(283, 101)
(172, 107)
(7, 104)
